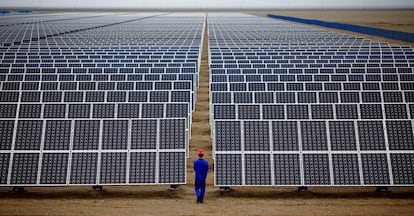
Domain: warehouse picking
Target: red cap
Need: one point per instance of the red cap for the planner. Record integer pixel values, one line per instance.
(201, 151)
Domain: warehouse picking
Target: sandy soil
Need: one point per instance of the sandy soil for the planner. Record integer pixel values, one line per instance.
(400, 20)
(159, 200)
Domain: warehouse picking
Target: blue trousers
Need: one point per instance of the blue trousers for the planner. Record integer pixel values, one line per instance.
(200, 189)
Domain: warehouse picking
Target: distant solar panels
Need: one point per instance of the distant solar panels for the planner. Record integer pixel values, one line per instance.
(298, 106)
(94, 107)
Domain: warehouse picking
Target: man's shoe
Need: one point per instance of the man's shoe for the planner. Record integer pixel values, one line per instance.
(198, 199)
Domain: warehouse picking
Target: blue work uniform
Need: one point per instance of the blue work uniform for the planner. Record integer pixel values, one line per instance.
(201, 169)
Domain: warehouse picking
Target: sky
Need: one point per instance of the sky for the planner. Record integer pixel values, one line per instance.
(210, 4)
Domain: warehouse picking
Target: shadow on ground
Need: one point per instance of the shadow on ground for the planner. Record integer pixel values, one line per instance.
(185, 192)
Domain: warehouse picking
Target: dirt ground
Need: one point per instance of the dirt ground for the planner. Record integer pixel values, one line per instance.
(159, 200)
(399, 20)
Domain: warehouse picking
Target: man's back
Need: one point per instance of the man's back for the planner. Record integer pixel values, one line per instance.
(201, 169)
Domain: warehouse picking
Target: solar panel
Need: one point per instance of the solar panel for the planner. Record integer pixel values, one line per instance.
(287, 169)
(113, 168)
(24, 168)
(142, 168)
(257, 169)
(54, 168)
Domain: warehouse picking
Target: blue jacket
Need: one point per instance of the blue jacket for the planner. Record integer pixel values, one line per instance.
(201, 169)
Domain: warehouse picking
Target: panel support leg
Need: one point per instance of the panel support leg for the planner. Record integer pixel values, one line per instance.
(302, 189)
(18, 189)
(174, 187)
(225, 189)
(382, 189)
(97, 187)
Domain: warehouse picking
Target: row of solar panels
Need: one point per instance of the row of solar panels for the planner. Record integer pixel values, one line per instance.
(314, 111)
(135, 81)
(151, 60)
(364, 46)
(300, 66)
(92, 67)
(119, 134)
(312, 56)
(340, 51)
(307, 97)
(286, 67)
(95, 110)
(298, 106)
(85, 74)
(322, 82)
(310, 50)
(69, 82)
(92, 168)
(98, 96)
(59, 57)
(45, 48)
(328, 76)
(312, 63)
(307, 136)
(314, 169)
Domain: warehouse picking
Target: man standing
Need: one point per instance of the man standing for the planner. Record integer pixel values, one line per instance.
(201, 169)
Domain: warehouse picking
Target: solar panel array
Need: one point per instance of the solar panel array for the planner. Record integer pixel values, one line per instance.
(298, 106)
(97, 99)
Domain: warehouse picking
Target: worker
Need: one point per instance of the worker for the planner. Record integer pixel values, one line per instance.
(201, 169)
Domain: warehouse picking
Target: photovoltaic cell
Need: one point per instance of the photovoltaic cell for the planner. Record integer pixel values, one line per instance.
(402, 168)
(4, 167)
(84, 168)
(6, 134)
(54, 168)
(172, 134)
(285, 136)
(227, 137)
(24, 170)
(142, 167)
(172, 167)
(314, 136)
(8, 110)
(400, 135)
(342, 135)
(177, 110)
(79, 111)
(346, 169)
(144, 134)
(229, 169)
(316, 169)
(152, 111)
(371, 135)
(375, 169)
(287, 169)
(256, 136)
(86, 135)
(128, 110)
(249, 112)
(113, 168)
(257, 168)
(115, 134)
(57, 135)
(273, 112)
(29, 134)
